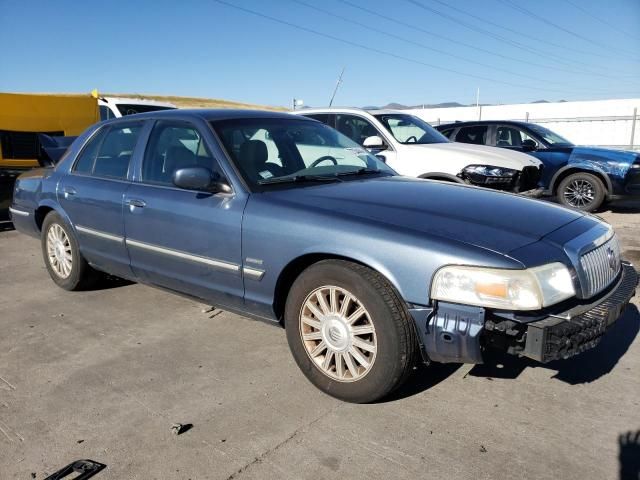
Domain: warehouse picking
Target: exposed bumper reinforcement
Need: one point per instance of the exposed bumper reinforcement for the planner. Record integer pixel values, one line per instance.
(554, 338)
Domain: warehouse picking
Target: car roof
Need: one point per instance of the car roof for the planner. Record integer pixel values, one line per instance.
(483, 122)
(210, 114)
(311, 111)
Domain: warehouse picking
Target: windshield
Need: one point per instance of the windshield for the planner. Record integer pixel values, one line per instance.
(281, 150)
(549, 136)
(408, 129)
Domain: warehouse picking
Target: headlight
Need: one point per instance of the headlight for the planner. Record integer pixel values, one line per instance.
(529, 289)
(488, 174)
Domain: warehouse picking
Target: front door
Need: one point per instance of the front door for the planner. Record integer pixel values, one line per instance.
(184, 240)
(93, 193)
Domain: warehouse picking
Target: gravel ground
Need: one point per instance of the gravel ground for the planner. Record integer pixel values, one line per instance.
(103, 375)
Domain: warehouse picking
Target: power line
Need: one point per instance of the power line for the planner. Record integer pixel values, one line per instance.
(601, 20)
(546, 21)
(378, 51)
(473, 47)
(536, 39)
(421, 45)
(489, 33)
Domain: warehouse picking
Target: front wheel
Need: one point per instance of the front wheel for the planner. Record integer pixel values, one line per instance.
(65, 264)
(582, 191)
(349, 331)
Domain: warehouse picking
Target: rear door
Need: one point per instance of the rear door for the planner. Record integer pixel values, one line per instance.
(184, 240)
(93, 192)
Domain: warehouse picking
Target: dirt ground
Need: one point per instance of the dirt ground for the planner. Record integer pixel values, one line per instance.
(103, 375)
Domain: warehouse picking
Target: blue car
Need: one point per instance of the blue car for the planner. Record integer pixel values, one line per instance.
(282, 218)
(581, 177)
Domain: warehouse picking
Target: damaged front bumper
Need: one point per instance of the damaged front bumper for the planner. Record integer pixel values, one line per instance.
(568, 334)
(525, 180)
(451, 333)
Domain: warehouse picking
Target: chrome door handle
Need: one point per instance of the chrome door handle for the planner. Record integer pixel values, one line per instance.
(69, 191)
(134, 202)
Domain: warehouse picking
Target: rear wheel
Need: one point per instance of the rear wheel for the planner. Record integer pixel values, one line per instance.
(582, 191)
(349, 331)
(65, 264)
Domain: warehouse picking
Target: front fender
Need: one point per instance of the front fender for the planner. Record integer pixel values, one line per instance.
(585, 166)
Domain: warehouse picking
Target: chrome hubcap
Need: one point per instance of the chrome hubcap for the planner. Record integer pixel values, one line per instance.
(59, 251)
(338, 334)
(579, 193)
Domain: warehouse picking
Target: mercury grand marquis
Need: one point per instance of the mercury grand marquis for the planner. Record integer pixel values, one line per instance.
(282, 218)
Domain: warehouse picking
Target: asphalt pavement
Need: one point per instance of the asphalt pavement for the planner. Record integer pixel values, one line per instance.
(103, 375)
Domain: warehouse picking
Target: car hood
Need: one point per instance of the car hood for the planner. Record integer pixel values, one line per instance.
(594, 154)
(497, 221)
(480, 154)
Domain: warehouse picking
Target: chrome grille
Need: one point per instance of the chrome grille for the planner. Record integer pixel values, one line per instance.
(600, 267)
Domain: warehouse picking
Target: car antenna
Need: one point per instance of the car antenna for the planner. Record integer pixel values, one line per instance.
(335, 90)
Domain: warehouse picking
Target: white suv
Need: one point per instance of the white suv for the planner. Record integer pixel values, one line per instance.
(412, 147)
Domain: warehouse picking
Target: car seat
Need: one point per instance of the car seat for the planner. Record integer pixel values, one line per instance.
(253, 158)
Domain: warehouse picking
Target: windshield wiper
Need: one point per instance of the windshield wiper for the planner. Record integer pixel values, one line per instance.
(360, 171)
(300, 178)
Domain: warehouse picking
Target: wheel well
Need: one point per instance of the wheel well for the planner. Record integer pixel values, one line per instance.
(292, 271)
(39, 215)
(571, 171)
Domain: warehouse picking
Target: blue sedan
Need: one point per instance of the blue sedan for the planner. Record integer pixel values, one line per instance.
(581, 177)
(282, 218)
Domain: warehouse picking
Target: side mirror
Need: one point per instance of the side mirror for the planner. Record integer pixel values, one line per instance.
(374, 142)
(529, 145)
(199, 178)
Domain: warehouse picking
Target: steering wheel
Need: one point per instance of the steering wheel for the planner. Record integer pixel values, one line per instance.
(322, 159)
(415, 140)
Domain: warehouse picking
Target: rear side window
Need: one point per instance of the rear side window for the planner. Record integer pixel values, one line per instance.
(109, 152)
(172, 146)
(476, 135)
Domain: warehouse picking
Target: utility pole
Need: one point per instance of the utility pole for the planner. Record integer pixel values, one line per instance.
(335, 90)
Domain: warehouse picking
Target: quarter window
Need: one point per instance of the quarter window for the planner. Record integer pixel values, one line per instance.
(476, 135)
(173, 146)
(447, 133)
(109, 152)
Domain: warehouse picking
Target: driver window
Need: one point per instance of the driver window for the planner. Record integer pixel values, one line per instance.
(356, 128)
(512, 137)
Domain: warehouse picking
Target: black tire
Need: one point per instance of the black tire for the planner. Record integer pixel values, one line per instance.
(395, 333)
(81, 276)
(582, 191)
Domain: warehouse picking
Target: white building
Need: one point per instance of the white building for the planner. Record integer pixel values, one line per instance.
(605, 123)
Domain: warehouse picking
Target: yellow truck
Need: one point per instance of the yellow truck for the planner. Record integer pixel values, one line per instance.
(23, 116)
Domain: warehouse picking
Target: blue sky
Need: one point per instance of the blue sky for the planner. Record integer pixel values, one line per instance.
(568, 49)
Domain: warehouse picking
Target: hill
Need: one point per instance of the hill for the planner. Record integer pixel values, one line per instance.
(195, 102)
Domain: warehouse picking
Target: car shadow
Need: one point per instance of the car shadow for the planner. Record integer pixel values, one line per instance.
(6, 225)
(629, 455)
(422, 378)
(584, 368)
(107, 282)
(621, 206)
